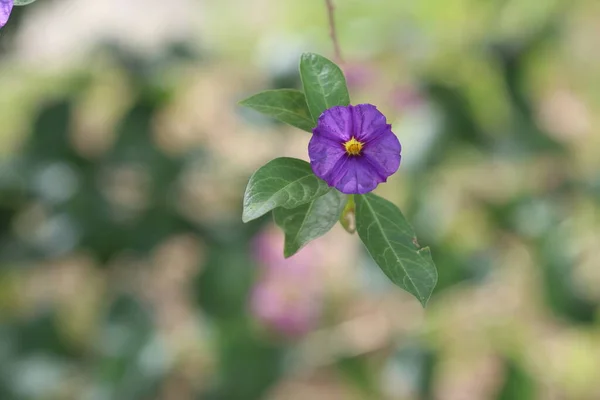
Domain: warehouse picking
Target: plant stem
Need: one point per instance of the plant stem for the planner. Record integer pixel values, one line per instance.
(332, 31)
(348, 217)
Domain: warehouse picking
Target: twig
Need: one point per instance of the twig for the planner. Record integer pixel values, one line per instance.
(332, 30)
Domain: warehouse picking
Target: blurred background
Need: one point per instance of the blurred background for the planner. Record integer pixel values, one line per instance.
(126, 272)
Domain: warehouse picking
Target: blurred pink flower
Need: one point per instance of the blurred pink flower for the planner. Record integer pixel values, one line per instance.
(358, 75)
(287, 295)
(406, 97)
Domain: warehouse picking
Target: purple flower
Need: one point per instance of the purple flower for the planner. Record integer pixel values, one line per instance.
(353, 148)
(5, 9)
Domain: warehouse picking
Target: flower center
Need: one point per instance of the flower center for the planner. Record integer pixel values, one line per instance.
(353, 147)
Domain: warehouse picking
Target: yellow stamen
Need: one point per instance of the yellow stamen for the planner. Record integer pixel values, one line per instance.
(353, 147)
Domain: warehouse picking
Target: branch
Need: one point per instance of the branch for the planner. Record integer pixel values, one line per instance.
(332, 31)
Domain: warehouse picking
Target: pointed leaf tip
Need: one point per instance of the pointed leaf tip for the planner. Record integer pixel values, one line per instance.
(389, 240)
(285, 105)
(323, 82)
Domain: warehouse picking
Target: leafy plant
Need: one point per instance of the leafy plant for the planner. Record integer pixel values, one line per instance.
(352, 150)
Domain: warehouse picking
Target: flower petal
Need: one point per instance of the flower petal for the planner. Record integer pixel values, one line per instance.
(5, 10)
(367, 122)
(335, 123)
(324, 156)
(383, 153)
(357, 177)
(354, 173)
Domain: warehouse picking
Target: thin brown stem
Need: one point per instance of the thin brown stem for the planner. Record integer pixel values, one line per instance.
(332, 30)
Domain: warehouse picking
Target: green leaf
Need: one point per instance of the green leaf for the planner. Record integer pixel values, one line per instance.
(309, 221)
(324, 84)
(282, 182)
(285, 105)
(392, 243)
(22, 2)
(358, 371)
(518, 383)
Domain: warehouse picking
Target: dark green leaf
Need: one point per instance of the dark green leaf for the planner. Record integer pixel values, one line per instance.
(392, 243)
(518, 384)
(248, 364)
(562, 294)
(282, 182)
(361, 372)
(223, 292)
(285, 105)
(324, 84)
(309, 221)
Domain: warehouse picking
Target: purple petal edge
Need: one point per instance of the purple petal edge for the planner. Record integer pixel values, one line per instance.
(6, 7)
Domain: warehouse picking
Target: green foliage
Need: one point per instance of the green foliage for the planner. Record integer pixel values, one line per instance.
(518, 384)
(393, 245)
(282, 182)
(222, 292)
(359, 372)
(57, 201)
(22, 2)
(420, 363)
(249, 365)
(289, 187)
(121, 370)
(324, 84)
(560, 287)
(310, 221)
(285, 105)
